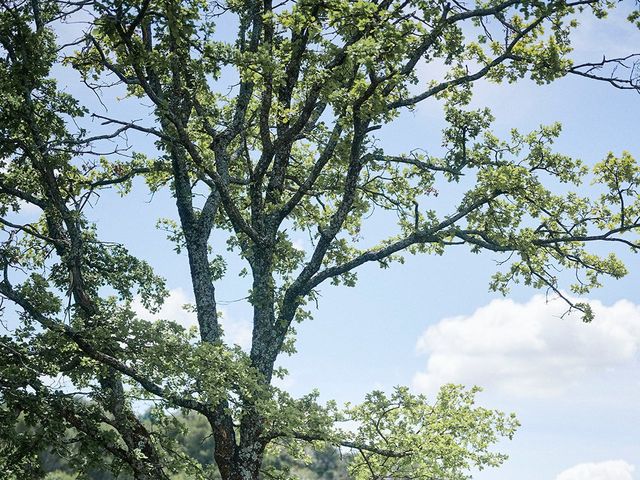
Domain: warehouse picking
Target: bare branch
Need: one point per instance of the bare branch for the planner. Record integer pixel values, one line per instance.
(597, 71)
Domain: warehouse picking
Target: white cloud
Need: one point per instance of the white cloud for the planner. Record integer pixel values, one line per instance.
(524, 349)
(172, 309)
(236, 331)
(57, 382)
(299, 244)
(610, 470)
(29, 209)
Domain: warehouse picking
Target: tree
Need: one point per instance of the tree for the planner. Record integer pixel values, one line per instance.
(258, 135)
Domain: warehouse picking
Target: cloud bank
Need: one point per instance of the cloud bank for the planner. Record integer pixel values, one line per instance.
(524, 349)
(236, 332)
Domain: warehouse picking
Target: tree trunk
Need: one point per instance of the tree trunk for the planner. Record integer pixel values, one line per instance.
(246, 466)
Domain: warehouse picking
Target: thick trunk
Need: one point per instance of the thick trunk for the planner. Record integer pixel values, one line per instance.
(250, 461)
(249, 451)
(263, 341)
(245, 465)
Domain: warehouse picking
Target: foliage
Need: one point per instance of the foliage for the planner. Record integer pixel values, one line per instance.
(289, 147)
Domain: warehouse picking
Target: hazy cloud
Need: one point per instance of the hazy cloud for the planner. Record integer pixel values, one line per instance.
(236, 332)
(610, 470)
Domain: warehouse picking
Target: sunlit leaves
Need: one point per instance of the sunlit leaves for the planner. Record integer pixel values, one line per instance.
(440, 439)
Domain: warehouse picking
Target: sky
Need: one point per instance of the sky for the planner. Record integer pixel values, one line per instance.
(575, 387)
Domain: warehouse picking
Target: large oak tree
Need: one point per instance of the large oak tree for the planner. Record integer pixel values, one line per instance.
(260, 133)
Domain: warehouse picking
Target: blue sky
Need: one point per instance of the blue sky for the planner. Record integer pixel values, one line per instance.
(575, 387)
